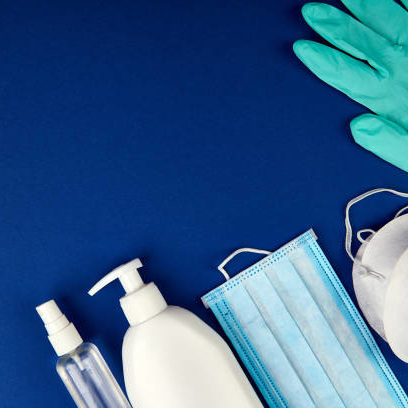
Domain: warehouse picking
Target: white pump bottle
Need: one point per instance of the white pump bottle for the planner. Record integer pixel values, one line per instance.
(171, 358)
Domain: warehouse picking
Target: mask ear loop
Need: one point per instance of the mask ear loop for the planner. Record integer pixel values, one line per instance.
(234, 254)
(349, 230)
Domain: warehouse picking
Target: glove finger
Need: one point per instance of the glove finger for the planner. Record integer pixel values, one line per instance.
(405, 3)
(386, 17)
(346, 33)
(382, 137)
(353, 77)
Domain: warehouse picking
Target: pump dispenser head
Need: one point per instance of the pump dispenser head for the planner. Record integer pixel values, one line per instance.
(141, 301)
(62, 334)
(127, 274)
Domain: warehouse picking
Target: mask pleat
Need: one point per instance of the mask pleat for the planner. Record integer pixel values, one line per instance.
(254, 363)
(340, 321)
(319, 335)
(293, 343)
(273, 357)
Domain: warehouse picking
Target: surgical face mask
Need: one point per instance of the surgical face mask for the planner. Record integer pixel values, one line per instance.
(380, 271)
(299, 335)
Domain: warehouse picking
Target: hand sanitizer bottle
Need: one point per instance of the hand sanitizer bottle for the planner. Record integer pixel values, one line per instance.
(172, 359)
(80, 365)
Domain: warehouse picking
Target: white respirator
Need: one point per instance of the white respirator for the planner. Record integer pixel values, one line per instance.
(380, 275)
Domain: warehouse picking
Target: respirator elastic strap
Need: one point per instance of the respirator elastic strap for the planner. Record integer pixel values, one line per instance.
(349, 230)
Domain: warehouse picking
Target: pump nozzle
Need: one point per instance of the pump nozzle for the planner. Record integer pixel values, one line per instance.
(141, 301)
(127, 274)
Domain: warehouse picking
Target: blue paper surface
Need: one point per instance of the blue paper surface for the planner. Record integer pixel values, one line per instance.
(176, 131)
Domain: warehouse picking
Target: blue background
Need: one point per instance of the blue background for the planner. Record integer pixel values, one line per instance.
(175, 131)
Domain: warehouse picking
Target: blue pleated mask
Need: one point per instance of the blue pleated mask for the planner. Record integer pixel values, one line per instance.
(299, 334)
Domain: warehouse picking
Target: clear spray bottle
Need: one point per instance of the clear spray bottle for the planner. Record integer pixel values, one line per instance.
(80, 365)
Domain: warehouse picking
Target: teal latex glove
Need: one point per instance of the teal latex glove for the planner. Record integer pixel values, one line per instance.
(370, 66)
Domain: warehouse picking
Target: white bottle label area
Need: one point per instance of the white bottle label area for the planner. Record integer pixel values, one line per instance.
(175, 360)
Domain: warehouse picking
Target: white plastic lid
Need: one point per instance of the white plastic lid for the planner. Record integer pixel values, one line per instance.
(62, 334)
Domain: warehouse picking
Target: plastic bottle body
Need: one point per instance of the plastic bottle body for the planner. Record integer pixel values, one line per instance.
(175, 360)
(89, 380)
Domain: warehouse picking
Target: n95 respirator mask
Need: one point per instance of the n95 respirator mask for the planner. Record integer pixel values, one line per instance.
(380, 275)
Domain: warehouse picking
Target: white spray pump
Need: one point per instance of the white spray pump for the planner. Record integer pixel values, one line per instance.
(170, 357)
(80, 365)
